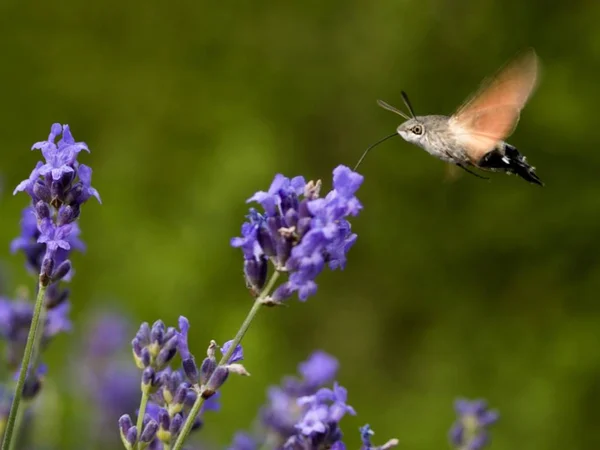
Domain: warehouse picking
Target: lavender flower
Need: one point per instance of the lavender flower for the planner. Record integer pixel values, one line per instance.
(299, 232)
(470, 431)
(173, 392)
(301, 413)
(155, 347)
(283, 411)
(171, 412)
(319, 425)
(58, 188)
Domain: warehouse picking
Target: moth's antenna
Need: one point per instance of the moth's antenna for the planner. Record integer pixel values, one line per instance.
(408, 105)
(372, 146)
(384, 105)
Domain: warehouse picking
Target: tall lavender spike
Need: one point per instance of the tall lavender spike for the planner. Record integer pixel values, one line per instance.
(58, 188)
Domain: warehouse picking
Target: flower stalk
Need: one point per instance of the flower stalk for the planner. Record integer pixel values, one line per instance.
(142, 413)
(33, 337)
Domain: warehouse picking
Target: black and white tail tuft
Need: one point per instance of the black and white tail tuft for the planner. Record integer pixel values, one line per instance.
(511, 161)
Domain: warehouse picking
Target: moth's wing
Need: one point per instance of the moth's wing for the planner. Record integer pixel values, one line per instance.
(480, 131)
(511, 85)
(491, 114)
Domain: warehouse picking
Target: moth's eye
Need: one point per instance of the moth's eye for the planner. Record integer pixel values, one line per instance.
(417, 129)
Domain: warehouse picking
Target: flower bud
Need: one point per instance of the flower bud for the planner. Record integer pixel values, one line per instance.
(148, 379)
(61, 271)
(42, 211)
(191, 370)
(176, 424)
(217, 379)
(68, 214)
(166, 354)
(149, 432)
(41, 191)
(206, 370)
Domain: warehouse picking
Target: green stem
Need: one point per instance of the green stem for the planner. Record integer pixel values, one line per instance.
(33, 339)
(141, 414)
(249, 318)
(34, 365)
(35, 354)
(18, 422)
(187, 426)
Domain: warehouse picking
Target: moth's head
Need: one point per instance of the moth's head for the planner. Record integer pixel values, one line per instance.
(413, 130)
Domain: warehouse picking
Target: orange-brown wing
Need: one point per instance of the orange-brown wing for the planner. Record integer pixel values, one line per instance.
(492, 113)
(481, 130)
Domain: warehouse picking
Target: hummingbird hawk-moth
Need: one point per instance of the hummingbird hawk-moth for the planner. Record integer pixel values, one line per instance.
(474, 135)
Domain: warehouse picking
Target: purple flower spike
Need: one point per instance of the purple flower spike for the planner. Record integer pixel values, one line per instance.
(300, 232)
(155, 347)
(58, 188)
(470, 431)
(302, 413)
(173, 391)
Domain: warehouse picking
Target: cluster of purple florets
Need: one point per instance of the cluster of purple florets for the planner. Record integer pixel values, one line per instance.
(302, 413)
(173, 391)
(299, 231)
(58, 188)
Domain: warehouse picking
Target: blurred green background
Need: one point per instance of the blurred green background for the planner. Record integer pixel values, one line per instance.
(463, 287)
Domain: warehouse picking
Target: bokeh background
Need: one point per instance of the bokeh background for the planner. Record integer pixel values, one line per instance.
(456, 286)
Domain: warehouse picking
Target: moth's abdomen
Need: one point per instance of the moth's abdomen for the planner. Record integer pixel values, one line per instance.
(507, 158)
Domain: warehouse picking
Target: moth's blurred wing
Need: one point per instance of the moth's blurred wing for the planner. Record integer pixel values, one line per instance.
(480, 131)
(493, 111)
